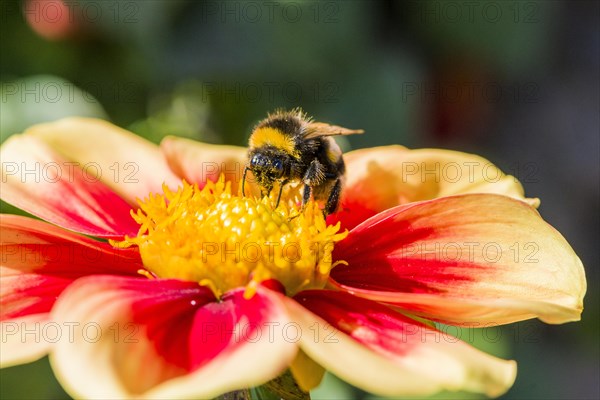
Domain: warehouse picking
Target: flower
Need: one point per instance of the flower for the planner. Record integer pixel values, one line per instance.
(165, 309)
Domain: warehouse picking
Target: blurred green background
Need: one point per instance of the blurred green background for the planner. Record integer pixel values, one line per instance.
(514, 81)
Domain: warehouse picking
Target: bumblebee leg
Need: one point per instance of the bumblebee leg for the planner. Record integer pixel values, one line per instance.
(334, 198)
(244, 181)
(306, 193)
(313, 177)
(315, 174)
(281, 185)
(306, 196)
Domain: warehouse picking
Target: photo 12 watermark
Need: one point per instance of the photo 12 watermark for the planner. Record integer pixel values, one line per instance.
(270, 12)
(207, 332)
(61, 91)
(473, 92)
(70, 172)
(473, 12)
(271, 91)
(131, 333)
(83, 12)
(467, 252)
(128, 172)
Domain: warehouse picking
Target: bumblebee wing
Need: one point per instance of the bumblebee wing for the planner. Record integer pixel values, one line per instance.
(317, 129)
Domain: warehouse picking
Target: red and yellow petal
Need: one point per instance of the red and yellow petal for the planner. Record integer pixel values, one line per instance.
(128, 164)
(39, 261)
(383, 177)
(386, 353)
(198, 162)
(37, 179)
(166, 339)
(33, 246)
(24, 339)
(468, 259)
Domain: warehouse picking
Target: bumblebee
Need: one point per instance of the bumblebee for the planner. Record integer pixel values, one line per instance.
(287, 147)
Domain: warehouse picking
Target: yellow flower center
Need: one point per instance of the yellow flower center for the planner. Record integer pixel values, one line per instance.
(224, 241)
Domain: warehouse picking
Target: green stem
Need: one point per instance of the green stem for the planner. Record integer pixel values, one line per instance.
(282, 387)
(285, 387)
(243, 394)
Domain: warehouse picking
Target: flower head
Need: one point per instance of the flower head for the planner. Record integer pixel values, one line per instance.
(225, 242)
(205, 291)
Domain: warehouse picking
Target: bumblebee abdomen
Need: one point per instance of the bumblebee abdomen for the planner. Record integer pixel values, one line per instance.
(330, 155)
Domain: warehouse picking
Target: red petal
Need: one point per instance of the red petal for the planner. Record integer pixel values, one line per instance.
(350, 314)
(130, 165)
(379, 178)
(384, 352)
(21, 339)
(39, 260)
(199, 162)
(351, 213)
(464, 259)
(173, 339)
(38, 180)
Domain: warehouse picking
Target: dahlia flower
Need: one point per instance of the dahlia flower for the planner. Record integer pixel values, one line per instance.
(148, 274)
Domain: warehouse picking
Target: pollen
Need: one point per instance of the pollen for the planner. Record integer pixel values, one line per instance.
(224, 241)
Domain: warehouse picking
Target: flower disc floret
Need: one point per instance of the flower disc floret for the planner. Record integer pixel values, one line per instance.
(224, 241)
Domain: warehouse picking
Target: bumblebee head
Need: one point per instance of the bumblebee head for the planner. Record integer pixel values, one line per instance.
(268, 166)
(262, 164)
